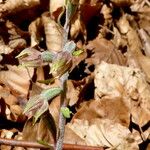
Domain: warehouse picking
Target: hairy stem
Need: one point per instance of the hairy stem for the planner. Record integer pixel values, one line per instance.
(62, 119)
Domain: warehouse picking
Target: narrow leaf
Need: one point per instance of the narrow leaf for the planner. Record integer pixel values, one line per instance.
(50, 93)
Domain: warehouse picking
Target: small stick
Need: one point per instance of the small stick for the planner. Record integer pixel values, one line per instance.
(27, 144)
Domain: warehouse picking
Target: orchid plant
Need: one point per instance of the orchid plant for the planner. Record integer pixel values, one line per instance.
(60, 63)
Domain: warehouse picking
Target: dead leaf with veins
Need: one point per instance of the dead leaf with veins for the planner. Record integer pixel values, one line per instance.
(129, 84)
(99, 132)
(113, 109)
(53, 32)
(17, 79)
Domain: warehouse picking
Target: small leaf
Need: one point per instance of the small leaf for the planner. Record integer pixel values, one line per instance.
(48, 81)
(48, 94)
(77, 52)
(71, 9)
(61, 64)
(69, 46)
(47, 56)
(66, 112)
(45, 144)
(40, 111)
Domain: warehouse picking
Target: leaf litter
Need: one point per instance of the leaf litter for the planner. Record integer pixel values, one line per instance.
(108, 88)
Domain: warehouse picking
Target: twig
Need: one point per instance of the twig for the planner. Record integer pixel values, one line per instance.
(22, 143)
(27, 144)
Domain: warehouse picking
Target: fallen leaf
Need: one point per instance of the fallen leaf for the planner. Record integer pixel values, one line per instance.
(99, 132)
(112, 81)
(113, 109)
(17, 79)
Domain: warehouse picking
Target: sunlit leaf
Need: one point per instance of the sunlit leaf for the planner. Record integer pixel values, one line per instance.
(66, 112)
(77, 52)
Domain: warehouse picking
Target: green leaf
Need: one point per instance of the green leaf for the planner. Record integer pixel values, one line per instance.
(40, 111)
(47, 56)
(69, 46)
(71, 9)
(48, 94)
(77, 52)
(66, 112)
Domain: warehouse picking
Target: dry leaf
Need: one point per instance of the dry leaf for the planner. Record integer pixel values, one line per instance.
(17, 79)
(55, 5)
(113, 109)
(53, 32)
(77, 27)
(104, 50)
(99, 132)
(72, 93)
(10, 6)
(124, 82)
(146, 41)
(35, 30)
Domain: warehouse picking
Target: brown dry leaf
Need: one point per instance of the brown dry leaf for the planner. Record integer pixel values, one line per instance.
(119, 40)
(128, 83)
(113, 109)
(99, 132)
(4, 49)
(53, 32)
(146, 41)
(17, 79)
(11, 6)
(135, 56)
(75, 139)
(104, 50)
(39, 132)
(72, 93)
(35, 30)
(123, 2)
(77, 26)
(55, 5)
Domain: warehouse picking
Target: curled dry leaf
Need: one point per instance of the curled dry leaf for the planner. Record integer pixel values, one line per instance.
(35, 30)
(99, 132)
(113, 81)
(55, 5)
(72, 93)
(17, 79)
(53, 32)
(104, 50)
(4, 49)
(146, 41)
(113, 109)
(11, 6)
(77, 26)
(135, 56)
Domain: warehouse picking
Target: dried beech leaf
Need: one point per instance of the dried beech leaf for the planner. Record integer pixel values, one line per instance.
(17, 79)
(99, 132)
(77, 26)
(135, 47)
(127, 83)
(72, 93)
(146, 41)
(53, 32)
(35, 30)
(10, 6)
(112, 109)
(55, 5)
(104, 50)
